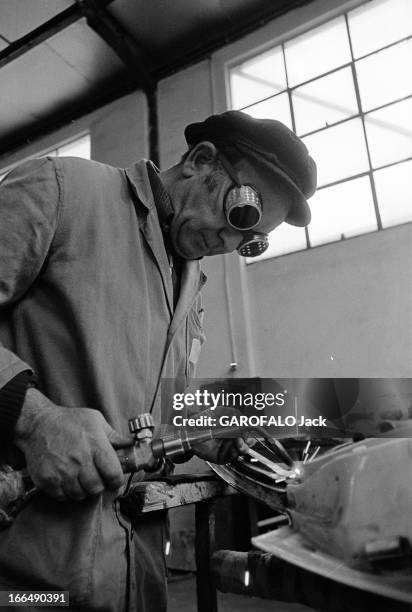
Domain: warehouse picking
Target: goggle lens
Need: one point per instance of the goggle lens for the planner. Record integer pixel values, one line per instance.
(243, 207)
(253, 246)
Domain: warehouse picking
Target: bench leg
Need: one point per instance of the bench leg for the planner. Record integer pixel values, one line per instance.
(204, 548)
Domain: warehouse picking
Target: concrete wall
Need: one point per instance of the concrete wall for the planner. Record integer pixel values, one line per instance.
(183, 98)
(340, 310)
(118, 131)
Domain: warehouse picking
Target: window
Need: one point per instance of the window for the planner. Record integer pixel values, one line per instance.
(345, 88)
(80, 147)
(75, 148)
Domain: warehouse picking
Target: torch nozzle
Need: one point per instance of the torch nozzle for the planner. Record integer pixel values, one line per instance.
(183, 441)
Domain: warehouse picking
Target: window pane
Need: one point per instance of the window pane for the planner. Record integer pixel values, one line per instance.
(342, 211)
(378, 24)
(284, 239)
(324, 101)
(385, 76)
(394, 191)
(258, 78)
(389, 133)
(274, 108)
(339, 151)
(76, 148)
(317, 51)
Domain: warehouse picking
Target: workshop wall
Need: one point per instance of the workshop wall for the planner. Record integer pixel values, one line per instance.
(339, 310)
(118, 133)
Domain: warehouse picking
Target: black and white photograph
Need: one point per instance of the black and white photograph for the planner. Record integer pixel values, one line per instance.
(206, 305)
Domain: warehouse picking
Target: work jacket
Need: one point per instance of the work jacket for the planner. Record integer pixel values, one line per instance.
(86, 302)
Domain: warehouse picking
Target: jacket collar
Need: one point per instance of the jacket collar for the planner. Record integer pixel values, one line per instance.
(138, 178)
(192, 278)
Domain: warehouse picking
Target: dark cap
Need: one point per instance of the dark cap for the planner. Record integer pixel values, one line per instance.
(271, 142)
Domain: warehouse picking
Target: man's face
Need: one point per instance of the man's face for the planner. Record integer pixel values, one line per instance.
(200, 228)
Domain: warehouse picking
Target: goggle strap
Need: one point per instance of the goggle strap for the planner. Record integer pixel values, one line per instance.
(229, 168)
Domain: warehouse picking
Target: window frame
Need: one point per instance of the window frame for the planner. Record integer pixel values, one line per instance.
(279, 32)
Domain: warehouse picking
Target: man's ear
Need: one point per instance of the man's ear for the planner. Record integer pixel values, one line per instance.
(200, 159)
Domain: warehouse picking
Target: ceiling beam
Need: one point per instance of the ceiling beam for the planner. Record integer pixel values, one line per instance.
(126, 47)
(49, 28)
(124, 86)
(194, 51)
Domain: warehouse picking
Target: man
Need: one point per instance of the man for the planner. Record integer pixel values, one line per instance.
(99, 297)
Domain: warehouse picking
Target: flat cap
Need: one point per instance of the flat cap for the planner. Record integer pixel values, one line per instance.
(271, 141)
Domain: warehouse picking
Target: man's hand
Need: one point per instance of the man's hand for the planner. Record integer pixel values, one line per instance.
(221, 450)
(69, 451)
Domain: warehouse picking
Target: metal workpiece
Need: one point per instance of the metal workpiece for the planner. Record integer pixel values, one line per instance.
(353, 499)
(349, 528)
(271, 465)
(355, 496)
(266, 469)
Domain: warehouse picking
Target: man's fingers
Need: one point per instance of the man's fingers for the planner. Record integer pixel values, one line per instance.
(73, 489)
(56, 493)
(60, 495)
(241, 446)
(106, 460)
(117, 440)
(109, 468)
(91, 481)
(51, 485)
(228, 451)
(62, 490)
(251, 442)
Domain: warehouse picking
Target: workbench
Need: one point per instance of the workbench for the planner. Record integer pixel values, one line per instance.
(274, 578)
(178, 491)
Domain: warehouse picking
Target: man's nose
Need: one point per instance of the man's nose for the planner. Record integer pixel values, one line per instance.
(231, 238)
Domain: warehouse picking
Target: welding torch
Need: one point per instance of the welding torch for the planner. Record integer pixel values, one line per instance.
(147, 453)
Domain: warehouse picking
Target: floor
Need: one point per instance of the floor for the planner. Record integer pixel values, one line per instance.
(182, 598)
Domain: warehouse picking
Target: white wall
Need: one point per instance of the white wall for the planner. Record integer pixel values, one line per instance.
(339, 310)
(183, 98)
(118, 131)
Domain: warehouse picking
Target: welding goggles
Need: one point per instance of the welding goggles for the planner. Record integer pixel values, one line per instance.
(243, 209)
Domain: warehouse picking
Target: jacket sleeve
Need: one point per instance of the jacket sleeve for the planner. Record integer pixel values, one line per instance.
(30, 200)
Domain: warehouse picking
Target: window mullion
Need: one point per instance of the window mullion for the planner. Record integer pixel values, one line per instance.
(362, 116)
(292, 115)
